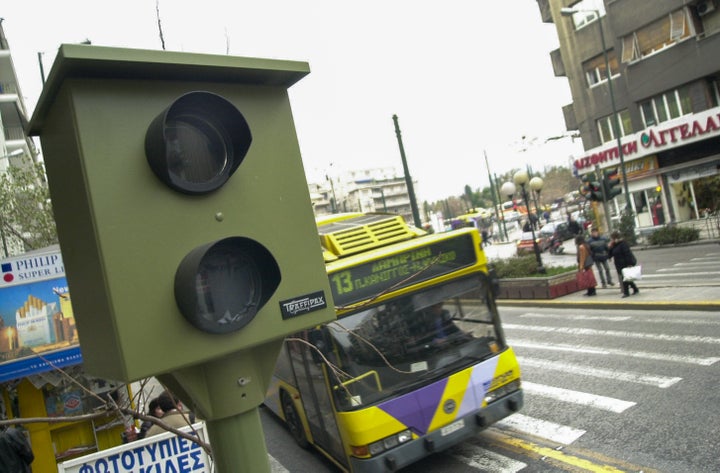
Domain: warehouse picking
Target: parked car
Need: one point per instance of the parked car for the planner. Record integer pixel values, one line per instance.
(525, 243)
(561, 228)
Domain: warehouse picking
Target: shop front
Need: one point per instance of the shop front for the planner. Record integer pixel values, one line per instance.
(672, 170)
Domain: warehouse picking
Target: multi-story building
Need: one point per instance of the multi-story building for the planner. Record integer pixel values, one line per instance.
(663, 61)
(367, 190)
(16, 148)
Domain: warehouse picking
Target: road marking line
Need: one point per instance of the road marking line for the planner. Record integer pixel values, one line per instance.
(576, 317)
(276, 466)
(635, 318)
(714, 262)
(616, 375)
(514, 342)
(699, 273)
(542, 428)
(577, 397)
(702, 361)
(485, 460)
(614, 333)
(556, 454)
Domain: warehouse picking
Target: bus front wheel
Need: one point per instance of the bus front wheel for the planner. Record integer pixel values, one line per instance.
(293, 421)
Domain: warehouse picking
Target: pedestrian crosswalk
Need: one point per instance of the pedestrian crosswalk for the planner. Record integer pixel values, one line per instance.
(639, 355)
(584, 371)
(703, 269)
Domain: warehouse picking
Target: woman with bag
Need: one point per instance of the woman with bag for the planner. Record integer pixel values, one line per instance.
(624, 258)
(586, 277)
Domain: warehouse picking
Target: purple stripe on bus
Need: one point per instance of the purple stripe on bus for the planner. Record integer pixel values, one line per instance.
(416, 409)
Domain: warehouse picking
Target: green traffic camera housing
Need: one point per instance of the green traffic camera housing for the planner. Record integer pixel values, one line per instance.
(181, 203)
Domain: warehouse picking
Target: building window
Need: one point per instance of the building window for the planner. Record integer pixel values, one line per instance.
(656, 36)
(667, 106)
(588, 11)
(595, 68)
(606, 126)
(714, 89)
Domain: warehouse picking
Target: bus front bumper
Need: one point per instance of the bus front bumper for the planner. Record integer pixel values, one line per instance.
(436, 441)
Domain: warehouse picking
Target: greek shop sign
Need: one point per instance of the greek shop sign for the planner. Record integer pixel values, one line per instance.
(165, 453)
(667, 135)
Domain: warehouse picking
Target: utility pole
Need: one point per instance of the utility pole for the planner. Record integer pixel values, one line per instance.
(493, 195)
(408, 179)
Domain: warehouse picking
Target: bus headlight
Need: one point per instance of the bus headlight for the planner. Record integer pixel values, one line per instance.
(376, 448)
(503, 390)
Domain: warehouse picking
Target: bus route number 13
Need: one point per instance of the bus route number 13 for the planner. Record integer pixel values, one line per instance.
(343, 282)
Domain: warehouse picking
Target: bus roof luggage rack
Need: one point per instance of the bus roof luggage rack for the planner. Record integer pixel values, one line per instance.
(361, 233)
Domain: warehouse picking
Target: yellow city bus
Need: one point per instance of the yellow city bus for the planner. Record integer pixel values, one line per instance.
(416, 360)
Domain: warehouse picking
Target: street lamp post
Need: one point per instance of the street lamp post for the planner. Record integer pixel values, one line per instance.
(522, 179)
(616, 123)
(508, 189)
(501, 210)
(536, 185)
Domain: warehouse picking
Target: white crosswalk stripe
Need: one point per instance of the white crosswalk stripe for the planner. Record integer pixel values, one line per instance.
(542, 428)
(486, 460)
(276, 466)
(696, 360)
(577, 397)
(605, 373)
(670, 319)
(615, 333)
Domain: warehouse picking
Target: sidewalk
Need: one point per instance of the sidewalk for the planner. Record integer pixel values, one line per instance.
(651, 296)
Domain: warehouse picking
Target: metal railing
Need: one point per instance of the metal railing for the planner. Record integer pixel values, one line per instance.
(708, 226)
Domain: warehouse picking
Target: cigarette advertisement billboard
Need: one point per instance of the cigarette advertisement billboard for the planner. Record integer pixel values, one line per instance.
(37, 326)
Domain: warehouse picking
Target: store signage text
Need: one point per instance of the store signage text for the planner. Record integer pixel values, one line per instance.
(652, 140)
(25, 269)
(162, 453)
(680, 132)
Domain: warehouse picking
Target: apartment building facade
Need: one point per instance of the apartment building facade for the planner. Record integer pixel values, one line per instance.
(363, 190)
(16, 148)
(664, 68)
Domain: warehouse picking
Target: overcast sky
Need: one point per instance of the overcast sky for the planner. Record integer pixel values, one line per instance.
(464, 76)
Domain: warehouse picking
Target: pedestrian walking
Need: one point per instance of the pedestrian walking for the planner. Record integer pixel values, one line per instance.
(623, 257)
(586, 277)
(600, 252)
(16, 455)
(573, 226)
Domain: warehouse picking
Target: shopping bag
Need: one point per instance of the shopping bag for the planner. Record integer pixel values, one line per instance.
(586, 279)
(632, 273)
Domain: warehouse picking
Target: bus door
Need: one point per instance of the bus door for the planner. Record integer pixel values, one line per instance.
(311, 382)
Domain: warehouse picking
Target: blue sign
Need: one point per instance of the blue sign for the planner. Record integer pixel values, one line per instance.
(37, 325)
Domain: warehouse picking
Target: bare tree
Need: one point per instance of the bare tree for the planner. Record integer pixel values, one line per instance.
(159, 22)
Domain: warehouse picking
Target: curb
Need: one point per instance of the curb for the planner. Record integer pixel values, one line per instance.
(599, 304)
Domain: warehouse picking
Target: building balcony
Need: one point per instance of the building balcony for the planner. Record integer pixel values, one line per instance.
(681, 63)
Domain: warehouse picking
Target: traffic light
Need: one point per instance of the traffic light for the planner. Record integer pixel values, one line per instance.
(182, 207)
(591, 188)
(611, 183)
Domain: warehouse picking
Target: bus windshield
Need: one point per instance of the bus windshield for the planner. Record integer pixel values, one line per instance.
(384, 350)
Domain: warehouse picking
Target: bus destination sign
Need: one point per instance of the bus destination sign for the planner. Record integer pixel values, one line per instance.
(402, 269)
